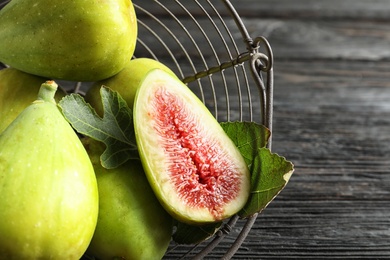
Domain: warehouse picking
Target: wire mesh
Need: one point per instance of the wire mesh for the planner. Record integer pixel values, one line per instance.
(206, 44)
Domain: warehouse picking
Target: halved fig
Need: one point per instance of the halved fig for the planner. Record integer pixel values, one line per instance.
(194, 168)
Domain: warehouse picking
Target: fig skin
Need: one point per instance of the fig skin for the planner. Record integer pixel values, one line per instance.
(48, 189)
(131, 222)
(126, 82)
(70, 40)
(193, 187)
(17, 91)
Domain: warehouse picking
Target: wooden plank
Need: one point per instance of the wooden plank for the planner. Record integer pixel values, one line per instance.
(302, 9)
(316, 39)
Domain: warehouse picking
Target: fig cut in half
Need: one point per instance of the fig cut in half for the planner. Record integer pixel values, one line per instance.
(194, 168)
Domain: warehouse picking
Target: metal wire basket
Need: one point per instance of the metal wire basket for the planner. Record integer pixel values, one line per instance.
(206, 43)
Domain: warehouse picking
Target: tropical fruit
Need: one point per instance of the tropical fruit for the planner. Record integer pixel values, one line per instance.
(131, 223)
(49, 198)
(125, 82)
(83, 40)
(195, 170)
(17, 91)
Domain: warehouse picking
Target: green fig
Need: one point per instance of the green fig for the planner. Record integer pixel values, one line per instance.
(125, 82)
(17, 91)
(194, 168)
(131, 223)
(84, 40)
(48, 189)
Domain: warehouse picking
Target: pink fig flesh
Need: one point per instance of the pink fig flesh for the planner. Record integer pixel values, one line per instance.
(194, 168)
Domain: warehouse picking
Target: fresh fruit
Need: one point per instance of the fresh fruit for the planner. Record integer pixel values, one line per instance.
(193, 167)
(48, 189)
(131, 224)
(125, 82)
(17, 91)
(72, 40)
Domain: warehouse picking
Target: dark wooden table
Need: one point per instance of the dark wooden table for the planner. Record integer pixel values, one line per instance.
(332, 120)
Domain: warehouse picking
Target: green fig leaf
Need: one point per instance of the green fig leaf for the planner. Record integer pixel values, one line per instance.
(115, 129)
(194, 234)
(270, 173)
(248, 137)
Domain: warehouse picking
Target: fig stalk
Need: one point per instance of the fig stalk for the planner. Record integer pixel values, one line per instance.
(47, 91)
(17, 91)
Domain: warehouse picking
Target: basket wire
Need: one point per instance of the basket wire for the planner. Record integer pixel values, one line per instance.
(206, 43)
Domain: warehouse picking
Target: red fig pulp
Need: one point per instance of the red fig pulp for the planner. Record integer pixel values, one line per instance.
(194, 168)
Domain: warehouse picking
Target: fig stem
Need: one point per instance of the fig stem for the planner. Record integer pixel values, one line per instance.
(47, 91)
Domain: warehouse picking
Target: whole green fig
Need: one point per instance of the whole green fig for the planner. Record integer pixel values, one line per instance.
(126, 82)
(131, 223)
(83, 40)
(17, 91)
(48, 189)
